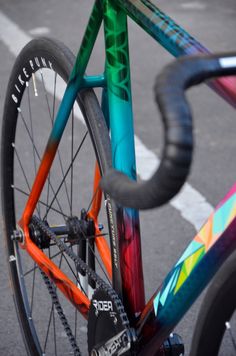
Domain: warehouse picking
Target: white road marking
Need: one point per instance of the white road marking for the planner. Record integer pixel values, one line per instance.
(195, 5)
(11, 35)
(192, 205)
(39, 31)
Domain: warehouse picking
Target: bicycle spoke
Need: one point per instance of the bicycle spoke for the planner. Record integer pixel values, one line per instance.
(96, 258)
(54, 96)
(33, 285)
(71, 269)
(46, 94)
(100, 265)
(53, 114)
(54, 333)
(32, 134)
(21, 166)
(92, 199)
(23, 171)
(52, 120)
(72, 168)
(28, 132)
(41, 202)
(32, 269)
(38, 156)
(67, 172)
(52, 312)
(48, 328)
(48, 188)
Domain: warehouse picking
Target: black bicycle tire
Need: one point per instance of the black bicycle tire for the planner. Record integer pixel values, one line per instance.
(218, 306)
(89, 105)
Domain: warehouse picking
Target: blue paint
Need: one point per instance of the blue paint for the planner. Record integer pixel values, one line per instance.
(93, 81)
(192, 247)
(64, 111)
(223, 215)
(122, 135)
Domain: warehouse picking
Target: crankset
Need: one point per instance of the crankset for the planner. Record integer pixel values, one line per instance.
(108, 327)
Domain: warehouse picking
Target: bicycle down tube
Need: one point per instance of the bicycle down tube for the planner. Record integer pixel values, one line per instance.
(117, 80)
(189, 276)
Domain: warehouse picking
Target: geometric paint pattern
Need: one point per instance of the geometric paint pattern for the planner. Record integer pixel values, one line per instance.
(216, 224)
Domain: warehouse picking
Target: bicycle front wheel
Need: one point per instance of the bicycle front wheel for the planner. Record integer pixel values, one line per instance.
(37, 83)
(215, 332)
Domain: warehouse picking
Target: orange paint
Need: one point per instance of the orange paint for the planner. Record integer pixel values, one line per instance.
(39, 182)
(97, 194)
(66, 286)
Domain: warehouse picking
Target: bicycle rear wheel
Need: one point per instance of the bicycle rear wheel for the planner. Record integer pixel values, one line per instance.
(37, 82)
(215, 332)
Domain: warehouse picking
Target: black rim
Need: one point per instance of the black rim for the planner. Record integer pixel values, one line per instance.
(60, 199)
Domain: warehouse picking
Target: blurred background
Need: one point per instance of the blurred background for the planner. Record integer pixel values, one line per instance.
(166, 231)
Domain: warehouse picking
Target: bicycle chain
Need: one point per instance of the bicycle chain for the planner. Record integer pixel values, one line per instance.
(52, 291)
(89, 272)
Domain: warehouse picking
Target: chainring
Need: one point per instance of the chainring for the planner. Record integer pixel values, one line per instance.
(106, 318)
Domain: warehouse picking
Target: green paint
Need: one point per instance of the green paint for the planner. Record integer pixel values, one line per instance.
(119, 89)
(88, 42)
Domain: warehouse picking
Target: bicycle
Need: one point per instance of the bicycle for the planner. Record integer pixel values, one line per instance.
(40, 231)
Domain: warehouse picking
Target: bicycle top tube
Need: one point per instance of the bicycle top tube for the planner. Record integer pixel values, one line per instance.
(173, 38)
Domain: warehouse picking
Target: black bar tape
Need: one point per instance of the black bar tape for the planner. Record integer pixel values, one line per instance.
(177, 121)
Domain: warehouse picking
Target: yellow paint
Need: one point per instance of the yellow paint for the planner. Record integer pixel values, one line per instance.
(192, 260)
(182, 278)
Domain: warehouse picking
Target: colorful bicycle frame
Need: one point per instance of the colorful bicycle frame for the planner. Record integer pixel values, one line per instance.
(211, 245)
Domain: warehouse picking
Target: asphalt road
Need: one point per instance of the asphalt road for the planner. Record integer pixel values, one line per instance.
(165, 232)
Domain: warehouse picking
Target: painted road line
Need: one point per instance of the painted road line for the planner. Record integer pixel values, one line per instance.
(191, 204)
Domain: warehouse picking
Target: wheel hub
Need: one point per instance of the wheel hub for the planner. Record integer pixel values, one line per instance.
(73, 231)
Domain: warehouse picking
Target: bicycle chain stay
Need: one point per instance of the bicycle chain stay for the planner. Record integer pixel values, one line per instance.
(99, 284)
